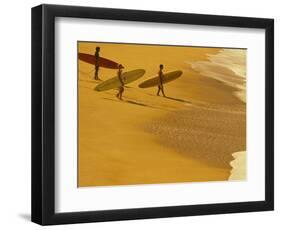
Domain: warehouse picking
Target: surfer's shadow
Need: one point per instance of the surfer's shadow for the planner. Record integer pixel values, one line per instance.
(173, 98)
(137, 103)
(133, 103)
(178, 99)
(128, 101)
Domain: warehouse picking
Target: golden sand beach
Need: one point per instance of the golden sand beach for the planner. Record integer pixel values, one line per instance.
(189, 136)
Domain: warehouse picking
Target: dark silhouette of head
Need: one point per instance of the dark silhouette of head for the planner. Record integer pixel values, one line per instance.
(98, 49)
(120, 66)
(161, 66)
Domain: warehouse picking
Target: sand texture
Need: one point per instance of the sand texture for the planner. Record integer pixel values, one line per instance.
(189, 136)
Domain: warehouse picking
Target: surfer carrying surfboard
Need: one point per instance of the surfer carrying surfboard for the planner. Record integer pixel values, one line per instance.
(160, 85)
(97, 56)
(121, 88)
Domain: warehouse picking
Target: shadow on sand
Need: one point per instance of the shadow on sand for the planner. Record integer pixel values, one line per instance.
(128, 101)
(178, 99)
(134, 103)
(171, 98)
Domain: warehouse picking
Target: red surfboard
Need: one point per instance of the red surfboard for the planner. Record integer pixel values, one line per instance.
(103, 62)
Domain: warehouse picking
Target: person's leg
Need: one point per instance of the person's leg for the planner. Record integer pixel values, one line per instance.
(158, 90)
(96, 73)
(121, 92)
(162, 89)
(117, 95)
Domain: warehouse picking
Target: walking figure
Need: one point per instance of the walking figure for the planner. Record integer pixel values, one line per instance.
(97, 56)
(121, 88)
(160, 85)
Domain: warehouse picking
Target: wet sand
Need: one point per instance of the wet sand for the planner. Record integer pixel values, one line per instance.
(205, 134)
(187, 137)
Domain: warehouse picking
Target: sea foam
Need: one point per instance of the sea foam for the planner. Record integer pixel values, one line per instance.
(228, 66)
(238, 165)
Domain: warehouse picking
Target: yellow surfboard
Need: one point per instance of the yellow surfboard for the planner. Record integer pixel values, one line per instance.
(167, 77)
(114, 82)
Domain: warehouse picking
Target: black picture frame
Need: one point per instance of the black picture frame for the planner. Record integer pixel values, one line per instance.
(43, 114)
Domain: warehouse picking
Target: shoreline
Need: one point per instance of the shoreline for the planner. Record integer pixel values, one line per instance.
(239, 171)
(232, 72)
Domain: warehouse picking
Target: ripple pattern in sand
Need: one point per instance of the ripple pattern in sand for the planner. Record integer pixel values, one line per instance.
(208, 135)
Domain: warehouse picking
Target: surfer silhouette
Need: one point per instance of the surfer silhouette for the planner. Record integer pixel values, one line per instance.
(97, 56)
(160, 85)
(121, 88)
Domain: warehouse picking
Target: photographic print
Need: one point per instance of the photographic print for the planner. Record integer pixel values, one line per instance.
(150, 114)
